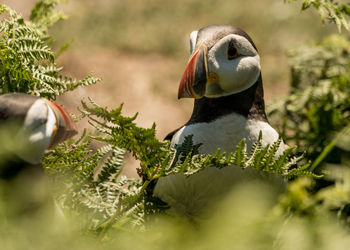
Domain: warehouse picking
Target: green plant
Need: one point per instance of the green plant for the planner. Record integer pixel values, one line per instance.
(111, 205)
(318, 105)
(27, 63)
(334, 11)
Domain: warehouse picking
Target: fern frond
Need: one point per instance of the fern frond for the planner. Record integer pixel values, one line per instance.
(240, 154)
(187, 148)
(24, 39)
(50, 70)
(68, 83)
(3, 9)
(124, 133)
(113, 165)
(35, 52)
(43, 15)
(260, 158)
(26, 60)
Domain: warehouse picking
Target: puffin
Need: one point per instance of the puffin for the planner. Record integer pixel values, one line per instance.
(223, 76)
(39, 124)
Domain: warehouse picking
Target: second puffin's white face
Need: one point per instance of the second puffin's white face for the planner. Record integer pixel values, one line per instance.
(233, 65)
(38, 127)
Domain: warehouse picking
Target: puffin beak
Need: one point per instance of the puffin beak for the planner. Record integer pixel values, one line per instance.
(65, 126)
(194, 79)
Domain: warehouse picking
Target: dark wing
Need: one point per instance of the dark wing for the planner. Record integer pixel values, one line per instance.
(15, 105)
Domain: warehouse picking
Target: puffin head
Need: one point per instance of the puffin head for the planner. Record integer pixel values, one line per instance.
(42, 123)
(224, 61)
(46, 124)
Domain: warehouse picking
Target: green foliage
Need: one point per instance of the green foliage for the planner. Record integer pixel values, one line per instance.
(319, 102)
(27, 63)
(124, 133)
(43, 14)
(315, 118)
(246, 220)
(88, 183)
(337, 197)
(300, 199)
(93, 181)
(184, 150)
(334, 11)
(260, 158)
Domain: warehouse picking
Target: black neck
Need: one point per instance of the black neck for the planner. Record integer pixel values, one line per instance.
(249, 103)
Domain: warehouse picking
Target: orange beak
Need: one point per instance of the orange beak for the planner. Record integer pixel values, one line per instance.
(194, 79)
(65, 126)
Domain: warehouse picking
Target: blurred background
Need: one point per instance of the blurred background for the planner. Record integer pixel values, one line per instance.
(140, 48)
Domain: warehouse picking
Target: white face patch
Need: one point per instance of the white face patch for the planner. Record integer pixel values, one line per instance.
(193, 40)
(38, 127)
(234, 75)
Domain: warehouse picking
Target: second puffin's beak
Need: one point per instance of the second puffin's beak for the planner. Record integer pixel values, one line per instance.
(194, 79)
(65, 126)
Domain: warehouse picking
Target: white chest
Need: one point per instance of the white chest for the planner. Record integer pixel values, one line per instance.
(225, 133)
(188, 196)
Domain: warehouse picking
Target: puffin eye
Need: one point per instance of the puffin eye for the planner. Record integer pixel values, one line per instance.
(232, 52)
